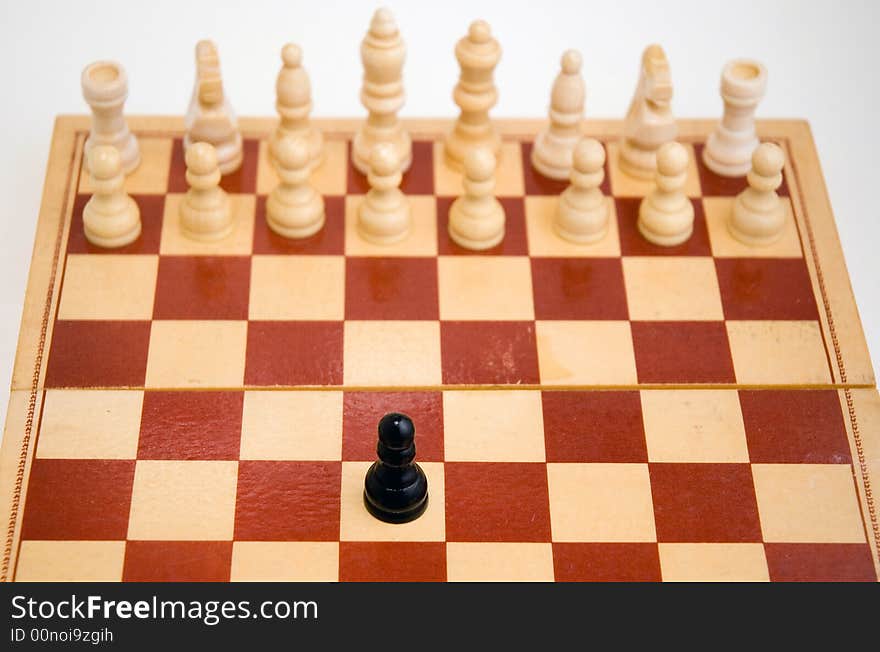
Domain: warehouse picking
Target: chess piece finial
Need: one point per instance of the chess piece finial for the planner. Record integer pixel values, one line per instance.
(395, 487)
(758, 215)
(105, 89)
(666, 216)
(729, 149)
(205, 212)
(649, 122)
(582, 213)
(553, 148)
(384, 216)
(294, 208)
(478, 54)
(383, 53)
(210, 118)
(476, 219)
(110, 218)
(294, 104)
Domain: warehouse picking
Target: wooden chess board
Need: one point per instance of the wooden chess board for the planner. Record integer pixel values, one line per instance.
(617, 411)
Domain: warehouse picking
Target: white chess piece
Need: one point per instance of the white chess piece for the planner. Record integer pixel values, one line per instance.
(105, 88)
(582, 212)
(666, 216)
(205, 212)
(553, 148)
(758, 215)
(294, 208)
(729, 149)
(110, 218)
(476, 219)
(294, 103)
(384, 216)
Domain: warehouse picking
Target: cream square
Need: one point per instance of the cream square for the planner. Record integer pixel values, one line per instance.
(623, 185)
(543, 240)
(601, 502)
(329, 178)
(70, 561)
(297, 288)
(285, 561)
(585, 353)
(508, 175)
(694, 426)
(724, 245)
(150, 177)
(196, 354)
(392, 353)
(670, 289)
(422, 238)
(713, 562)
(808, 503)
(493, 426)
(183, 501)
(238, 243)
(108, 287)
(493, 288)
(499, 562)
(90, 424)
(279, 425)
(778, 352)
(358, 525)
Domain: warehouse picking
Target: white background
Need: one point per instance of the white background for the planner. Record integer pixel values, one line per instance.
(822, 59)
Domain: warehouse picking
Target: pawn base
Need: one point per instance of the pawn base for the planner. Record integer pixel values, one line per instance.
(396, 516)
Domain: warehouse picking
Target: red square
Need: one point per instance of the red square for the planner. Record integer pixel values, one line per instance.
(820, 562)
(682, 352)
(417, 180)
(391, 288)
(98, 354)
(594, 427)
(797, 427)
(151, 206)
(497, 501)
(579, 288)
(294, 353)
(513, 244)
(606, 562)
(423, 561)
(765, 288)
(702, 503)
(177, 561)
(242, 181)
(716, 185)
(633, 243)
(190, 426)
(362, 411)
(537, 184)
(488, 352)
(202, 287)
(330, 240)
(288, 501)
(78, 500)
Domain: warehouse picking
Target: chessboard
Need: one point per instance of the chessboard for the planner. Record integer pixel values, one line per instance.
(618, 411)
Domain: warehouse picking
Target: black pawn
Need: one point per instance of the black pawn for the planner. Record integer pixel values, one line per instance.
(395, 488)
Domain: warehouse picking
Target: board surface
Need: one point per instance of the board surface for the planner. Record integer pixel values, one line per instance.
(192, 411)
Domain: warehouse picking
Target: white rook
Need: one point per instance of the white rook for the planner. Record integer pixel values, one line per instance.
(105, 88)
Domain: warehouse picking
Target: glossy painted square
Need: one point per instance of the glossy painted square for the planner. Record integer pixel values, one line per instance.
(682, 352)
(293, 353)
(177, 561)
(202, 287)
(392, 353)
(485, 288)
(606, 562)
(672, 289)
(70, 561)
(294, 287)
(489, 353)
(820, 562)
(579, 288)
(392, 561)
(111, 287)
(391, 288)
(778, 352)
(192, 353)
(766, 288)
(585, 353)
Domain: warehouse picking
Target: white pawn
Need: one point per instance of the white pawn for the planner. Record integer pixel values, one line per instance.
(205, 213)
(582, 213)
(110, 218)
(384, 217)
(294, 103)
(294, 208)
(758, 215)
(666, 216)
(551, 155)
(476, 219)
(105, 88)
